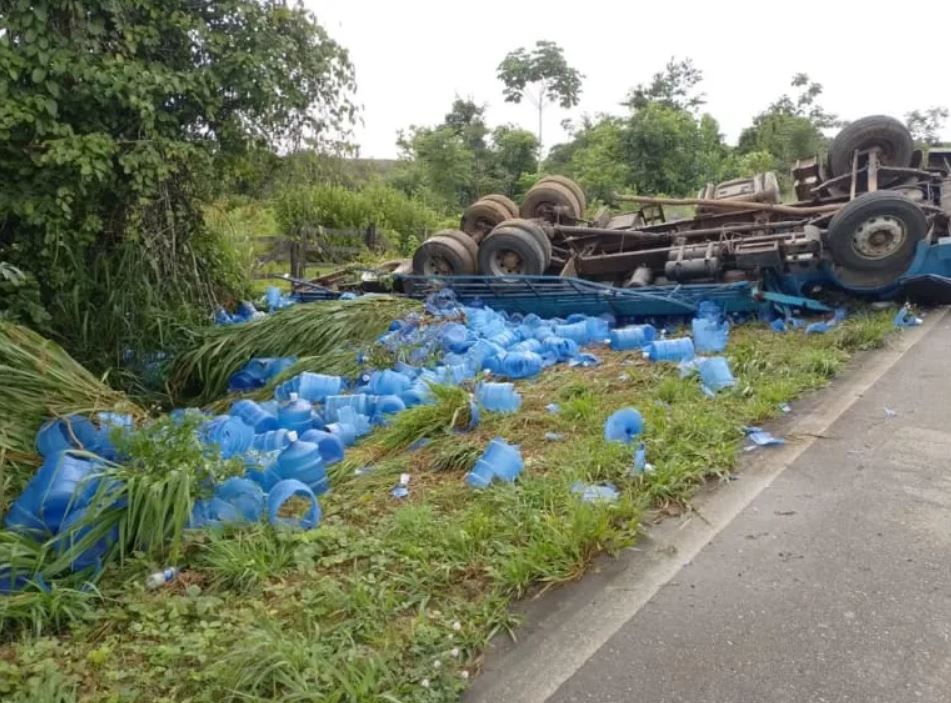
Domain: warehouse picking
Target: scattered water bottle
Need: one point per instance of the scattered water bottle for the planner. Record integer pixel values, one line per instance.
(669, 349)
(160, 578)
(632, 337)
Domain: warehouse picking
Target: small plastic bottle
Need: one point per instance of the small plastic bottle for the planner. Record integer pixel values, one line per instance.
(160, 578)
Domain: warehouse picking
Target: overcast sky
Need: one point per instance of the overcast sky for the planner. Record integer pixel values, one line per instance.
(413, 57)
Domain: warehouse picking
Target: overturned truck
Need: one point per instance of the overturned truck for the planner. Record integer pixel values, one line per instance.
(871, 218)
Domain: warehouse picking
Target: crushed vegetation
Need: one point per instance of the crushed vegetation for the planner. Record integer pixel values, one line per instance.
(364, 607)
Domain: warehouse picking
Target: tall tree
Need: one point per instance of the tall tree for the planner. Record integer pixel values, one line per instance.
(673, 87)
(111, 115)
(925, 125)
(543, 75)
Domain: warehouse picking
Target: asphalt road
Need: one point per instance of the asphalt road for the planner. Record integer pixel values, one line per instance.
(831, 582)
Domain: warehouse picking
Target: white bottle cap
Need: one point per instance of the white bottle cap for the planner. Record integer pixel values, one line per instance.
(292, 436)
(294, 396)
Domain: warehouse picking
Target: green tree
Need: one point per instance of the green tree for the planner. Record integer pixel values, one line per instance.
(543, 75)
(790, 128)
(112, 115)
(673, 87)
(925, 125)
(514, 154)
(595, 158)
(669, 152)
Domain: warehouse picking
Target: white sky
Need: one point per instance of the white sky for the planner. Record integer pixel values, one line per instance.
(413, 57)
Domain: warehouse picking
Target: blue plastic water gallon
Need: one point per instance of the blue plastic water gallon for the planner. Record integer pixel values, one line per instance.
(387, 405)
(346, 432)
(302, 461)
(63, 484)
(284, 491)
(623, 426)
(295, 414)
(64, 433)
(715, 373)
(253, 414)
(561, 347)
(271, 441)
(388, 382)
(710, 334)
(500, 460)
(455, 337)
(359, 402)
(230, 434)
(577, 332)
(244, 495)
(520, 364)
(330, 446)
(531, 344)
(670, 349)
(598, 329)
(499, 397)
(632, 337)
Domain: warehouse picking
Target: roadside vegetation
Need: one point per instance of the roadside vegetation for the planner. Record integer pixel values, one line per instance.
(395, 599)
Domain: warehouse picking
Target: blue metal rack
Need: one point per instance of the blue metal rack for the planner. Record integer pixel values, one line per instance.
(552, 296)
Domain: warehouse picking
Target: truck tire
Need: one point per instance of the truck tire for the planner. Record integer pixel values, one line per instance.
(888, 134)
(534, 229)
(511, 252)
(468, 242)
(443, 256)
(877, 231)
(481, 217)
(570, 185)
(504, 201)
(545, 198)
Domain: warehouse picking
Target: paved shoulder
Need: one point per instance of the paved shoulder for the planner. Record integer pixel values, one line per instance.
(834, 584)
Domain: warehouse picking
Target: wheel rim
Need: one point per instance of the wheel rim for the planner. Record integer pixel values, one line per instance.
(436, 265)
(879, 237)
(506, 262)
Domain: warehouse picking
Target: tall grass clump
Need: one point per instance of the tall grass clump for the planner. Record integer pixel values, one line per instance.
(345, 326)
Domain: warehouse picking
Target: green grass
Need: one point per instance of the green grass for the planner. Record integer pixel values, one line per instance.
(389, 593)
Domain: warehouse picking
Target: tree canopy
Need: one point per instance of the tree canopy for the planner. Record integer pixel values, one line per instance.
(543, 74)
(112, 115)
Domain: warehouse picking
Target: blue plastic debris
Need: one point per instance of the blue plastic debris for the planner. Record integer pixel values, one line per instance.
(257, 372)
(553, 408)
(640, 459)
(554, 436)
(595, 493)
(584, 360)
(623, 426)
(401, 489)
(710, 329)
(283, 492)
(906, 318)
(500, 460)
(778, 325)
(762, 438)
(499, 397)
(715, 374)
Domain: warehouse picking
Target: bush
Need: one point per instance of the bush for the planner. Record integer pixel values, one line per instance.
(403, 220)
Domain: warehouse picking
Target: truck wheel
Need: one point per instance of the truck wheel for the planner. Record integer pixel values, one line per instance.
(482, 216)
(570, 185)
(532, 228)
(876, 232)
(443, 256)
(464, 239)
(888, 134)
(511, 252)
(547, 200)
(504, 201)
